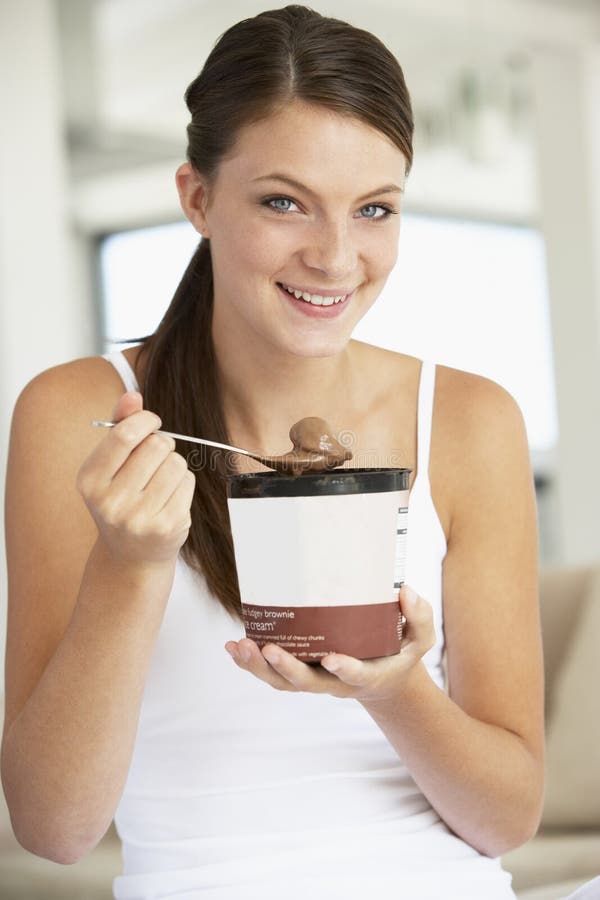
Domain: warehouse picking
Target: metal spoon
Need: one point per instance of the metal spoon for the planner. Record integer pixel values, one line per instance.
(297, 461)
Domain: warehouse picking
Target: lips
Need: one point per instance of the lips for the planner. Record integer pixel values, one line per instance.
(316, 296)
(311, 310)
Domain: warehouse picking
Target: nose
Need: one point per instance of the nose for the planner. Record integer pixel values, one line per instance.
(332, 250)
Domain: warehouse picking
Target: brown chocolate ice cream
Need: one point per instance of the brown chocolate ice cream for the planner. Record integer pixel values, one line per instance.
(315, 449)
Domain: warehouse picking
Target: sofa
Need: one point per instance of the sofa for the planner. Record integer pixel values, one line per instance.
(564, 854)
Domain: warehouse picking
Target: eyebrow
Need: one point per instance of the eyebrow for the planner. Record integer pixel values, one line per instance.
(277, 176)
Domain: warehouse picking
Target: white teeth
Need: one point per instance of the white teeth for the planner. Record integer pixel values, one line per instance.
(315, 299)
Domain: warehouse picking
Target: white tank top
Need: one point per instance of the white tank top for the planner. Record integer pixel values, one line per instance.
(237, 791)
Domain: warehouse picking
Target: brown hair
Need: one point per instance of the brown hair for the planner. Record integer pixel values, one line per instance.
(256, 66)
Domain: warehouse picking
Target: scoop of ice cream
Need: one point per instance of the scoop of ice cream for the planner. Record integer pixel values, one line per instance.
(314, 435)
(315, 449)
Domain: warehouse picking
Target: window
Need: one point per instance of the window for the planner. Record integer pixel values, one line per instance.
(139, 273)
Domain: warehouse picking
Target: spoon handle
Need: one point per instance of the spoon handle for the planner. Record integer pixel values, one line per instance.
(185, 437)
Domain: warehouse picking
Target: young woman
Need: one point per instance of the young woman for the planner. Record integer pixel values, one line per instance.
(131, 691)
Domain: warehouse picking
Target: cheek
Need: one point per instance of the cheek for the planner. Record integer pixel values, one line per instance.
(237, 251)
(385, 256)
(266, 249)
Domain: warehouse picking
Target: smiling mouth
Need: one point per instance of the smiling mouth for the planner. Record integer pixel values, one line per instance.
(313, 299)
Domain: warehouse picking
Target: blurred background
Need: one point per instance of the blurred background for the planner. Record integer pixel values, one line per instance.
(499, 264)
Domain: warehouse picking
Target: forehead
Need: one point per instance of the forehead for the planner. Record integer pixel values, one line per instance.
(318, 146)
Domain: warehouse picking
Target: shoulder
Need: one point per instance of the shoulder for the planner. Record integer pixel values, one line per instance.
(66, 397)
(482, 447)
(50, 437)
(463, 401)
(87, 379)
(476, 410)
(470, 411)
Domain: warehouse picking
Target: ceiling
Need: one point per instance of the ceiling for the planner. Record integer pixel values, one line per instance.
(466, 62)
(147, 52)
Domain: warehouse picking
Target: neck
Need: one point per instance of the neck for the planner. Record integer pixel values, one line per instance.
(265, 392)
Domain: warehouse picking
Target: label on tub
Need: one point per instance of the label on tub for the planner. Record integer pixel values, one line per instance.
(311, 632)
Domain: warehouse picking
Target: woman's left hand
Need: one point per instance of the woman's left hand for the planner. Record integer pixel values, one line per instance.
(339, 675)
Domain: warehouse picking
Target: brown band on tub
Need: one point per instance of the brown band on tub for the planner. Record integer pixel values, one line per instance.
(311, 632)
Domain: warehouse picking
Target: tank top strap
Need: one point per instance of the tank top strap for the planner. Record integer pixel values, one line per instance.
(425, 417)
(124, 369)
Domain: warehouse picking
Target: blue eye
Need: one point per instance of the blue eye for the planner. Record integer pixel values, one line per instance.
(387, 211)
(276, 209)
(269, 201)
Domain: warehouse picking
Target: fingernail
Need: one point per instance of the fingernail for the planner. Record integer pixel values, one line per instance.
(331, 665)
(232, 654)
(244, 654)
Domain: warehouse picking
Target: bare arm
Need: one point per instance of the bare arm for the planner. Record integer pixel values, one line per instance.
(478, 755)
(66, 755)
(482, 779)
(86, 598)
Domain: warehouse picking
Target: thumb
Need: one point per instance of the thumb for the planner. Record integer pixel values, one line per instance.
(420, 628)
(408, 599)
(129, 402)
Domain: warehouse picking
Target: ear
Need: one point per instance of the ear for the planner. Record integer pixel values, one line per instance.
(193, 197)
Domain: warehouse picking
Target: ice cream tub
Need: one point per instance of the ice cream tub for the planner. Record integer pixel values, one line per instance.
(320, 559)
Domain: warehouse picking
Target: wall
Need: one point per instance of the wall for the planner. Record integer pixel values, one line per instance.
(46, 309)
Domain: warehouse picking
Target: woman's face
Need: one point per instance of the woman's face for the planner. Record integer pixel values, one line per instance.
(329, 233)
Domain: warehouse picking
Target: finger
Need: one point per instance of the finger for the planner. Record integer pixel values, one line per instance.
(142, 463)
(165, 480)
(348, 669)
(111, 453)
(176, 506)
(257, 665)
(129, 402)
(420, 629)
(302, 676)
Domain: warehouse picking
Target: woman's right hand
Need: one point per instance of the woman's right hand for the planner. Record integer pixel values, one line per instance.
(137, 488)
